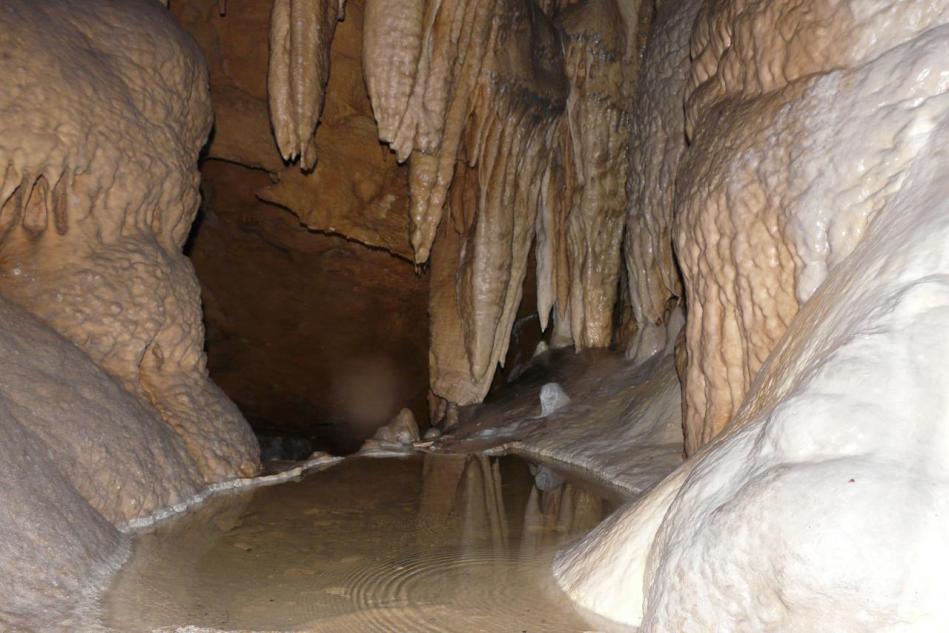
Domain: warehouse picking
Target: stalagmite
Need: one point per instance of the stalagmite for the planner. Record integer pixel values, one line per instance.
(301, 32)
(107, 415)
(96, 209)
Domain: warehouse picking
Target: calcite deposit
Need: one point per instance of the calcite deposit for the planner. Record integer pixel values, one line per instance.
(99, 190)
(747, 196)
(106, 411)
(301, 32)
(812, 179)
(657, 141)
(514, 117)
(80, 455)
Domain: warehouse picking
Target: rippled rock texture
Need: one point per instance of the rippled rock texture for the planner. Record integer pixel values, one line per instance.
(98, 194)
(106, 411)
(812, 179)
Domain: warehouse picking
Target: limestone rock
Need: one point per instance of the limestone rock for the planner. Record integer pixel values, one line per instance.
(516, 127)
(99, 192)
(301, 33)
(398, 435)
(80, 455)
(401, 430)
(815, 177)
(309, 334)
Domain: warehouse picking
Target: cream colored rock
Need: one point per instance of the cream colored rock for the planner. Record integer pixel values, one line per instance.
(759, 218)
(396, 436)
(515, 119)
(301, 32)
(820, 508)
(402, 429)
(98, 192)
(80, 456)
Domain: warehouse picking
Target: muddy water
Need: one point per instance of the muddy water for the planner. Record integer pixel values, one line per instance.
(440, 543)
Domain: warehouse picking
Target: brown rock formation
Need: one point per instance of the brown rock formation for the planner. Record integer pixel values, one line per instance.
(296, 316)
(98, 194)
(309, 333)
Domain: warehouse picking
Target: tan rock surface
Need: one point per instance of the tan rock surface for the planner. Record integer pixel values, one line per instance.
(106, 412)
(657, 141)
(99, 192)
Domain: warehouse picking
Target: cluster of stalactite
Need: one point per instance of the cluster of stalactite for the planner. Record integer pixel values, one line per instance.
(301, 32)
(515, 118)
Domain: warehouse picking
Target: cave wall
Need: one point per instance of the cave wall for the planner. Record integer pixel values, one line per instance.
(809, 216)
(107, 416)
(313, 335)
(317, 317)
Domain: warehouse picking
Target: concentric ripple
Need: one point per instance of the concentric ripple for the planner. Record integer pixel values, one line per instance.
(414, 593)
(453, 544)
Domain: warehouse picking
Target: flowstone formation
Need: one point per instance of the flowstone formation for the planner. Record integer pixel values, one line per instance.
(515, 118)
(98, 194)
(812, 179)
(106, 411)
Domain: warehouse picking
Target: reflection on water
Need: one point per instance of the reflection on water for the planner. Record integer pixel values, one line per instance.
(440, 543)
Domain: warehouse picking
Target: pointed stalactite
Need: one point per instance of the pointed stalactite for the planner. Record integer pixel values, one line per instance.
(392, 43)
(301, 32)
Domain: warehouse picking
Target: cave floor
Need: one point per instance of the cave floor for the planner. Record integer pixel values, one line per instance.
(433, 543)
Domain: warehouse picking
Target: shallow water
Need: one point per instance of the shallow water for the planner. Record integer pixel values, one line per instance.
(436, 543)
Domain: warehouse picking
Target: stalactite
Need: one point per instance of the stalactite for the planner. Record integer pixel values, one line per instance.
(486, 82)
(601, 58)
(301, 32)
